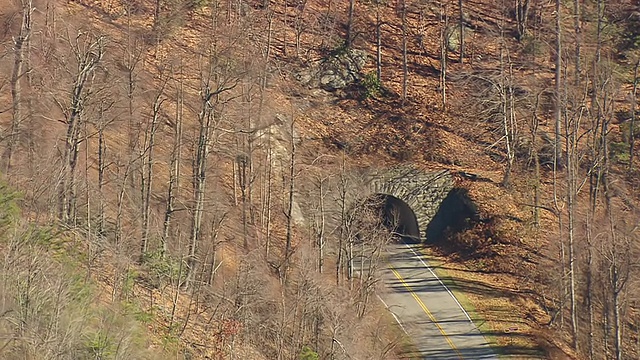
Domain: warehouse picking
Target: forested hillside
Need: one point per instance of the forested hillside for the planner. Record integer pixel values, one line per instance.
(178, 175)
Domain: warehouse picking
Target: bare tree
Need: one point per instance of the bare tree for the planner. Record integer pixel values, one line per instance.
(288, 250)
(557, 150)
(618, 258)
(377, 4)
(213, 85)
(405, 68)
(174, 167)
(343, 192)
(522, 15)
(301, 22)
(87, 51)
(572, 128)
(20, 51)
(147, 157)
(577, 28)
(320, 221)
(373, 237)
(634, 96)
(507, 111)
(461, 29)
(350, 19)
(444, 24)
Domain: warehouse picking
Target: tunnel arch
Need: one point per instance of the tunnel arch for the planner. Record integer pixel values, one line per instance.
(456, 212)
(420, 190)
(397, 216)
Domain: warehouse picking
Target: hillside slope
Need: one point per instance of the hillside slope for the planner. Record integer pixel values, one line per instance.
(175, 141)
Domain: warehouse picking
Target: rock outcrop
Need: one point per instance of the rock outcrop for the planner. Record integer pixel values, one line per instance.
(339, 70)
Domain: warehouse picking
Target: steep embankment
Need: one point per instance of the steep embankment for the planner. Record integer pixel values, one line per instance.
(170, 136)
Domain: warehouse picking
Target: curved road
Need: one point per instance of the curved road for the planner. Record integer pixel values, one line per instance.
(427, 311)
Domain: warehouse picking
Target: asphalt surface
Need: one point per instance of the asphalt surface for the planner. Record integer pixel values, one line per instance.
(427, 310)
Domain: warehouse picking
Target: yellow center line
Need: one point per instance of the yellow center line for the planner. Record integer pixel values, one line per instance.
(426, 310)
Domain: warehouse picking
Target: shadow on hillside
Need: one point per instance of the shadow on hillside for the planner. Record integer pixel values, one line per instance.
(407, 126)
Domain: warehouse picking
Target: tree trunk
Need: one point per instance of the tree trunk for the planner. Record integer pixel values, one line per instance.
(632, 134)
(174, 171)
(617, 324)
(343, 220)
(86, 60)
(206, 120)
(461, 25)
(571, 158)
(244, 184)
(350, 261)
(289, 214)
(20, 45)
(156, 15)
(536, 163)
(507, 108)
(147, 176)
(120, 203)
(321, 230)
(578, 33)
(268, 200)
(522, 14)
(595, 177)
(284, 28)
(557, 151)
(300, 24)
(101, 170)
(349, 35)
(405, 68)
(378, 45)
(443, 54)
(589, 289)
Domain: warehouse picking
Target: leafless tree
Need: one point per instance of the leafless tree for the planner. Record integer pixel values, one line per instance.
(405, 66)
(461, 26)
(349, 37)
(557, 153)
(87, 51)
(522, 16)
(444, 24)
(21, 50)
(634, 96)
(216, 79)
(174, 166)
(148, 159)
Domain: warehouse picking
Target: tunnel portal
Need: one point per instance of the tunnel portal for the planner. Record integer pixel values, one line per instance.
(397, 216)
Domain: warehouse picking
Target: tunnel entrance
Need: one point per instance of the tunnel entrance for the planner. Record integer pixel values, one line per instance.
(456, 213)
(397, 216)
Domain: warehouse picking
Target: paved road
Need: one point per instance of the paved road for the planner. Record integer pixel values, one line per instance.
(428, 312)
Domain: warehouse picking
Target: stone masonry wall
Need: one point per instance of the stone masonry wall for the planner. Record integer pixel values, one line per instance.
(422, 191)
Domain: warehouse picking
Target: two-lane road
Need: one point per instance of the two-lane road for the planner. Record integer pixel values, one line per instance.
(427, 310)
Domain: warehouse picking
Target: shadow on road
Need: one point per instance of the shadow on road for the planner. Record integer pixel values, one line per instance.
(513, 339)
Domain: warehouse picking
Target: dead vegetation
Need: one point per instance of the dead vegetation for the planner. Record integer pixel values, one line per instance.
(170, 137)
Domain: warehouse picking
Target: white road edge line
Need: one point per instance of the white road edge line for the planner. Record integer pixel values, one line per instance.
(393, 314)
(441, 283)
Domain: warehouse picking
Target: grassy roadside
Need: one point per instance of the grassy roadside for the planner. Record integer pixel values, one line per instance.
(405, 348)
(449, 282)
(497, 316)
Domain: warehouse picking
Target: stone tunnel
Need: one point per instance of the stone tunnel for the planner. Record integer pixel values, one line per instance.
(427, 202)
(410, 192)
